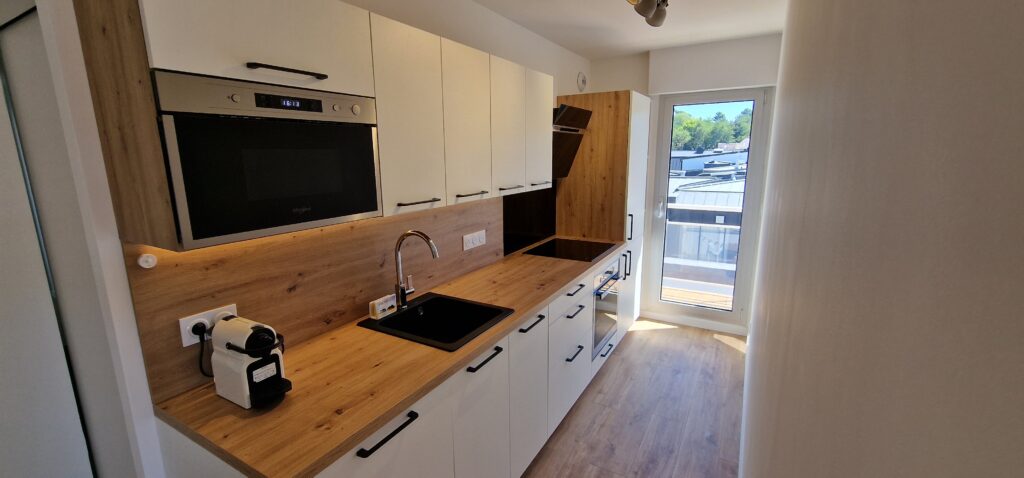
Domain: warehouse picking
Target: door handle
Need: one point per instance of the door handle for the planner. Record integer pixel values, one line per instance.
(252, 65)
(606, 352)
(518, 186)
(425, 201)
(625, 266)
(460, 196)
(629, 263)
(364, 453)
(539, 319)
(574, 314)
(629, 237)
(497, 350)
(579, 348)
(540, 183)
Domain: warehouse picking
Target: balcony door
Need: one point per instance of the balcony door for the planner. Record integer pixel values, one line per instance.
(708, 189)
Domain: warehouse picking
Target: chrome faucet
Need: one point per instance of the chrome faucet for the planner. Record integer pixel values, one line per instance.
(402, 290)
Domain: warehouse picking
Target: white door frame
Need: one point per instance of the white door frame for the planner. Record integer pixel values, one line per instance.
(734, 321)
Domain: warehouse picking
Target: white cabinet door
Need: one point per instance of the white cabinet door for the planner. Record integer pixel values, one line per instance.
(410, 116)
(423, 447)
(220, 37)
(481, 410)
(540, 93)
(466, 76)
(508, 127)
(528, 390)
(569, 363)
(636, 194)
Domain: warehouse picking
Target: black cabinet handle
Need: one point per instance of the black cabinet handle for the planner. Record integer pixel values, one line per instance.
(540, 183)
(252, 65)
(364, 453)
(625, 266)
(578, 289)
(497, 350)
(574, 314)
(606, 352)
(517, 186)
(425, 201)
(481, 193)
(579, 348)
(629, 263)
(629, 237)
(539, 319)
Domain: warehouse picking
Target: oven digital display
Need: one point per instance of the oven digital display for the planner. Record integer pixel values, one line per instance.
(264, 100)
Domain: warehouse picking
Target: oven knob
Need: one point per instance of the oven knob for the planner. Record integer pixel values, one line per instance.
(235, 97)
(336, 107)
(356, 109)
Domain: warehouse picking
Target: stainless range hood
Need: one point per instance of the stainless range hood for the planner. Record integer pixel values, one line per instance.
(570, 123)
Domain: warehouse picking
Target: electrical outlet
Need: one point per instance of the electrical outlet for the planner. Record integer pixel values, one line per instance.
(475, 239)
(210, 318)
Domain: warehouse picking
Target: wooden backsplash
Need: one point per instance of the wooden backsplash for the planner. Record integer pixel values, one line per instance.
(302, 284)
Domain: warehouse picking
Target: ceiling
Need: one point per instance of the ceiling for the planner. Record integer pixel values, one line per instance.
(599, 29)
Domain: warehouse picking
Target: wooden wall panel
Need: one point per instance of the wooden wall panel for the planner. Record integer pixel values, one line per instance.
(118, 69)
(302, 284)
(591, 202)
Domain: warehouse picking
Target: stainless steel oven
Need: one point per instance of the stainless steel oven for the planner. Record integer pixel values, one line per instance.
(249, 160)
(605, 306)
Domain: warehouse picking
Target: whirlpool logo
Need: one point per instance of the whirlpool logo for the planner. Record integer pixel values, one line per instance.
(298, 211)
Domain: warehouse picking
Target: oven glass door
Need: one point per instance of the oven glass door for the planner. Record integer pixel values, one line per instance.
(605, 308)
(244, 177)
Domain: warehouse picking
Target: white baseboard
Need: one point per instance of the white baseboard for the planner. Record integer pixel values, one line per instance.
(695, 322)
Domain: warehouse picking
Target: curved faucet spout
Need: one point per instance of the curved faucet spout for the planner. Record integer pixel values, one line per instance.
(401, 289)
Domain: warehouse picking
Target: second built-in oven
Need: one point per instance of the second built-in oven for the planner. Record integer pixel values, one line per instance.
(249, 160)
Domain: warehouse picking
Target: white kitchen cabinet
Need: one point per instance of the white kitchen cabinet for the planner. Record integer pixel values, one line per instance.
(466, 75)
(528, 390)
(636, 192)
(481, 415)
(424, 447)
(220, 37)
(508, 127)
(569, 345)
(540, 92)
(410, 116)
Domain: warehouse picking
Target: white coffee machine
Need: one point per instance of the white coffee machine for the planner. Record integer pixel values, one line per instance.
(248, 365)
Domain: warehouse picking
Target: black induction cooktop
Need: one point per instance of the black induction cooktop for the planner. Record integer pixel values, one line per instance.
(571, 249)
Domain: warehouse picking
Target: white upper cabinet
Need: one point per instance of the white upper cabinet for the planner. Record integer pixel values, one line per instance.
(220, 37)
(466, 74)
(508, 127)
(410, 116)
(540, 93)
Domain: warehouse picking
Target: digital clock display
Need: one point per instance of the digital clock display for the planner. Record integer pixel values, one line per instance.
(264, 100)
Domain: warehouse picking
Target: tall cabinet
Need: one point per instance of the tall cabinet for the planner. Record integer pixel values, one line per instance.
(603, 196)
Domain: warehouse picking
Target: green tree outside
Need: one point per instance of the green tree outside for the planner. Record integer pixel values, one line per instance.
(694, 134)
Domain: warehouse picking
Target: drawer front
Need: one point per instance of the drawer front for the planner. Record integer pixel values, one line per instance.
(606, 351)
(570, 296)
(568, 366)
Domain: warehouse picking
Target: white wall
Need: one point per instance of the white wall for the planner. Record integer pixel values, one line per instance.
(740, 63)
(628, 72)
(470, 23)
(887, 334)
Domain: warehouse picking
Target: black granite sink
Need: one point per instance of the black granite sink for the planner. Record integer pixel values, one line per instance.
(439, 321)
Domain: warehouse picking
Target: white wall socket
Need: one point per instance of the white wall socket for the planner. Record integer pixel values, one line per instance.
(475, 239)
(209, 317)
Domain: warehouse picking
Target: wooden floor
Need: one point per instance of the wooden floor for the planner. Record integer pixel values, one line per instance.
(666, 404)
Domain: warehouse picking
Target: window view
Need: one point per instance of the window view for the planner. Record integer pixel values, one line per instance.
(706, 180)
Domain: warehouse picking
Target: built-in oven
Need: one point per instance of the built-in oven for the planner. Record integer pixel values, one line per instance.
(247, 160)
(605, 306)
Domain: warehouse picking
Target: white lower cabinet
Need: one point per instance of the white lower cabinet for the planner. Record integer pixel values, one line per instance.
(416, 443)
(480, 407)
(528, 390)
(569, 363)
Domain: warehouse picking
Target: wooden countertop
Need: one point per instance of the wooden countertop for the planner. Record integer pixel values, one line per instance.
(349, 382)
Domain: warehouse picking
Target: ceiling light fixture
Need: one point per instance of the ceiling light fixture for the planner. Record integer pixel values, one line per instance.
(652, 10)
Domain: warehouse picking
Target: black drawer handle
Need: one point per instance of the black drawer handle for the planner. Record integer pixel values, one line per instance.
(364, 453)
(606, 352)
(574, 314)
(252, 65)
(517, 186)
(481, 193)
(579, 348)
(577, 291)
(539, 319)
(497, 350)
(425, 201)
(540, 183)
